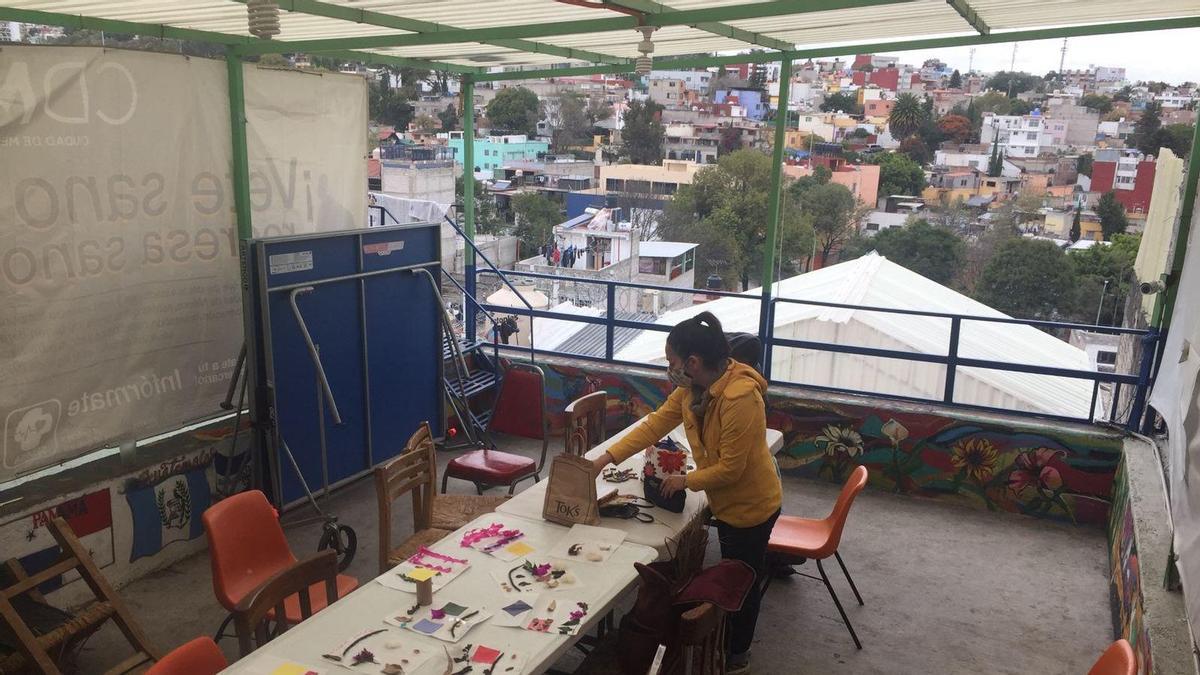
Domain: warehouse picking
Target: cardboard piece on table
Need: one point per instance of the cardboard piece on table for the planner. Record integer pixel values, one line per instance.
(386, 647)
(518, 580)
(557, 615)
(588, 543)
(271, 665)
(516, 613)
(447, 628)
(399, 576)
(485, 655)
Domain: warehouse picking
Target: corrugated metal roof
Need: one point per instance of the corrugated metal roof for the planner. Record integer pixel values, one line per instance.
(589, 340)
(432, 24)
(664, 249)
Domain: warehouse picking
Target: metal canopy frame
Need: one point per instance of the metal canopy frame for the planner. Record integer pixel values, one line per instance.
(717, 18)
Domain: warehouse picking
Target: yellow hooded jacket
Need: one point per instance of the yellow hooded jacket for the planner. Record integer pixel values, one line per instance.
(733, 463)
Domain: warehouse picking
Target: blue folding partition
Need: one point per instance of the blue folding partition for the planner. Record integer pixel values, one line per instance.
(374, 330)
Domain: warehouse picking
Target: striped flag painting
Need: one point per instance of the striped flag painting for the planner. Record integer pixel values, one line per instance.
(28, 537)
(168, 511)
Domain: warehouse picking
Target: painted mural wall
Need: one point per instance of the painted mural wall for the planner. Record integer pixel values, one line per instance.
(1057, 471)
(133, 523)
(1125, 574)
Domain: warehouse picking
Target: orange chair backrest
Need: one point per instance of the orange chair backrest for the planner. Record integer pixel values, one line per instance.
(1116, 660)
(246, 545)
(841, 509)
(520, 408)
(201, 656)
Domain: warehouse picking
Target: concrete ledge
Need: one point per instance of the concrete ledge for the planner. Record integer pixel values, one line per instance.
(1151, 617)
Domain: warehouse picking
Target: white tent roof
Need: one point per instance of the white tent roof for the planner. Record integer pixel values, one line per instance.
(874, 281)
(470, 34)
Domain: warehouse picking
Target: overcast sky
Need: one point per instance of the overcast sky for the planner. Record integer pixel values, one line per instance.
(1172, 56)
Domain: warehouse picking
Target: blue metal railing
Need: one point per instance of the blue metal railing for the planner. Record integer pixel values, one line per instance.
(952, 360)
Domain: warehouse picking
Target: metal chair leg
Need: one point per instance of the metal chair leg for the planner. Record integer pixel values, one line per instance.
(445, 477)
(832, 594)
(848, 577)
(221, 630)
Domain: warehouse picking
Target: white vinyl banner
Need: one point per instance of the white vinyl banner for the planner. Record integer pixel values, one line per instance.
(120, 307)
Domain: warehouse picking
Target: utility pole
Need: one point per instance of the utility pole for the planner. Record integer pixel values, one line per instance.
(971, 61)
(1062, 59)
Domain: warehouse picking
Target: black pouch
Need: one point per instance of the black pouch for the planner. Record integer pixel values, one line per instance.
(652, 485)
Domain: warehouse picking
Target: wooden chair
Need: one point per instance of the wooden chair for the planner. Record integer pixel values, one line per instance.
(795, 540)
(200, 656)
(702, 640)
(520, 410)
(1118, 659)
(252, 615)
(34, 649)
(588, 413)
(449, 512)
(411, 472)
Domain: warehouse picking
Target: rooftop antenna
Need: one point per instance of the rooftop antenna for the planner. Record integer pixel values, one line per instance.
(1013, 63)
(1062, 59)
(971, 62)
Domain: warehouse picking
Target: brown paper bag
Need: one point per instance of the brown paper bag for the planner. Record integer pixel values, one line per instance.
(571, 489)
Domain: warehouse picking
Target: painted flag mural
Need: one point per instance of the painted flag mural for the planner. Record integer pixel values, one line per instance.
(168, 511)
(29, 540)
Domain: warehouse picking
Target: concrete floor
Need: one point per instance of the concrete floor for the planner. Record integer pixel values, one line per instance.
(948, 590)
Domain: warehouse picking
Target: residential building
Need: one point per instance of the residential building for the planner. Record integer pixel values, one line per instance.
(1178, 116)
(669, 92)
(698, 143)
(944, 100)
(666, 263)
(422, 172)
(493, 152)
(647, 178)
(1174, 99)
(875, 61)
(878, 108)
(876, 221)
(861, 179)
(1081, 122)
(1128, 173)
(947, 185)
(694, 80)
(432, 106)
(973, 157)
(1058, 223)
(754, 101)
(1109, 74)
(1019, 135)
(820, 124)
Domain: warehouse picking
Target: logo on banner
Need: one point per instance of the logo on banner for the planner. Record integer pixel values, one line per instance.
(31, 431)
(168, 511)
(28, 538)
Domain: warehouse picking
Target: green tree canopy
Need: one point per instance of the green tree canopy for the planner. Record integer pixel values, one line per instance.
(1098, 102)
(1027, 278)
(936, 253)
(572, 126)
(955, 80)
(1019, 107)
(487, 217)
(843, 101)
(916, 150)
(387, 105)
(1145, 132)
(643, 134)
(1075, 227)
(536, 215)
(906, 116)
(728, 202)
(1177, 137)
(993, 102)
(1013, 83)
(898, 174)
(1096, 265)
(832, 209)
(1083, 164)
(1112, 215)
(515, 109)
(449, 118)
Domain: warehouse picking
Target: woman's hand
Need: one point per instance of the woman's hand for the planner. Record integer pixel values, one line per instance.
(673, 484)
(599, 463)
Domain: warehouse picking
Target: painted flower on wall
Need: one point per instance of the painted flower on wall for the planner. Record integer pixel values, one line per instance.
(1032, 469)
(895, 431)
(840, 441)
(976, 457)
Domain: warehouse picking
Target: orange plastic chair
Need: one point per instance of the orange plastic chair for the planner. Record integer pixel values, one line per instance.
(1118, 659)
(201, 656)
(247, 546)
(798, 539)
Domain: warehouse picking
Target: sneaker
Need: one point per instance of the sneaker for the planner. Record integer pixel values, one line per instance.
(738, 664)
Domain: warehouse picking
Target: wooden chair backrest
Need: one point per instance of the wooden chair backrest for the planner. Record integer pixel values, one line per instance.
(588, 413)
(701, 638)
(35, 650)
(411, 472)
(250, 616)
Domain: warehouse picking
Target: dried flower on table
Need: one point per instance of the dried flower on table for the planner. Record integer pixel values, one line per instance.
(574, 549)
(365, 656)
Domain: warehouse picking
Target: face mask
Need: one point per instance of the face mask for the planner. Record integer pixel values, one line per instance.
(678, 377)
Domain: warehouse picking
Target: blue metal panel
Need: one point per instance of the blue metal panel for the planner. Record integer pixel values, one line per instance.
(376, 328)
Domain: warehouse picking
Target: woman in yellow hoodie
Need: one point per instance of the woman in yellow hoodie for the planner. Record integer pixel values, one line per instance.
(720, 404)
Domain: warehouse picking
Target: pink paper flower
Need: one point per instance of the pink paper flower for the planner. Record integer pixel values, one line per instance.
(541, 570)
(437, 614)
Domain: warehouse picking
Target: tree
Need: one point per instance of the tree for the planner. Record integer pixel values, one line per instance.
(425, 123)
(1098, 102)
(1013, 83)
(1027, 278)
(449, 118)
(898, 174)
(386, 106)
(1083, 164)
(1112, 215)
(906, 116)
(535, 217)
(571, 125)
(1096, 265)
(996, 161)
(731, 141)
(1019, 107)
(758, 77)
(916, 150)
(515, 109)
(993, 102)
(820, 175)
(955, 80)
(1177, 137)
(936, 253)
(832, 208)
(598, 110)
(1075, 227)
(487, 217)
(1145, 132)
(956, 128)
(643, 133)
(727, 202)
(843, 102)
(1124, 94)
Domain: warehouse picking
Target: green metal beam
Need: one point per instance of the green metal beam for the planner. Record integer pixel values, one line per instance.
(968, 13)
(545, 73)
(241, 154)
(775, 198)
(468, 158)
(551, 29)
(1185, 228)
(714, 27)
(332, 11)
(79, 22)
(378, 59)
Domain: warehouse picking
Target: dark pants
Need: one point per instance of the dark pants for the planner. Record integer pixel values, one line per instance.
(748, 544)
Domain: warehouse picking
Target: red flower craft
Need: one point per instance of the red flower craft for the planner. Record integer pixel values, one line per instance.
(671, 462)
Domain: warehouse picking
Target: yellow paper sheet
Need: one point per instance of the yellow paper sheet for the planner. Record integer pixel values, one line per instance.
(290, 669)
(519, 548)
(422, 573)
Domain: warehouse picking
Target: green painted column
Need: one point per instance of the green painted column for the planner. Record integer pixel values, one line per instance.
(241, 159)
(768, 262)
(1167, 304)
(468, 159)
